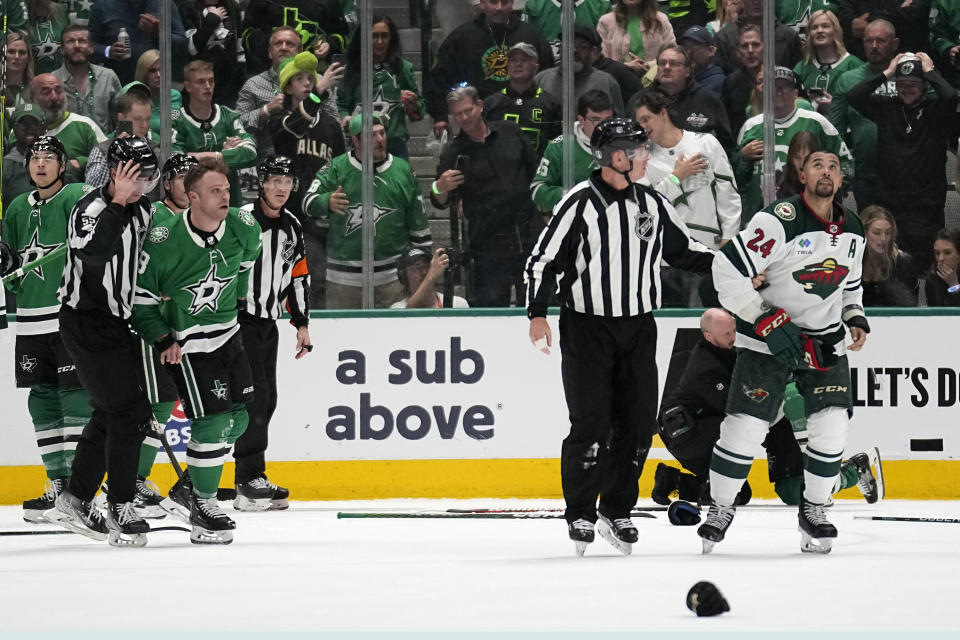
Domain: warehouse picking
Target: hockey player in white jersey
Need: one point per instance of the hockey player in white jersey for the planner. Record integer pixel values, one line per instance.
(811, 250)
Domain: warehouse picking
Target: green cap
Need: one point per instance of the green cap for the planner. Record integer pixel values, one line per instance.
(356, 122)
(27, 109)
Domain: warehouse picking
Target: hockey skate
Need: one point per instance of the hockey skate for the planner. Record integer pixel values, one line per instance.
(147, 500)
(865, 480)
(127, 527)
(666, 481)
(876, 465)
(78, 516)
(581, 532)
(210, 524)
(260, 494)
(177, 502)
(715, 526)
(35, 510)
(619, 532)
(816, 532)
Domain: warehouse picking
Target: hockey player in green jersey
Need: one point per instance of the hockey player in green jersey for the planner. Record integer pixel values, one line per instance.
(593, 107)
(175, 200)
(545, 16)
(788, 121)
(193, 269)
(398, 212)
(811, 250)
(207, 130)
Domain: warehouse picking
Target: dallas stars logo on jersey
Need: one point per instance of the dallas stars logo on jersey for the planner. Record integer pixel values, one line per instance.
(219, 390)
(206, 292)
(494, 63)
(821, 279)
(355, 217)
(36, 250)
(27, 363)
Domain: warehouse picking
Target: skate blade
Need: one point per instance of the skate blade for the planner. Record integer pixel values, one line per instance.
(175, 509)
(69, 522)
(876, 465)
(708, 546)
(626, 548)
(808, 544)
(580, 547)
(118, 539)
(251, 505)
(36, 516)
(199, 535)
(279, 505)
(152, 512)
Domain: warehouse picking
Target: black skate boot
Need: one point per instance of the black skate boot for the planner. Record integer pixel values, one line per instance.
(35, 510)
(177, 502)
(581, 532)
(147, 500)
(666, 481)
(127, 527)
(866, 482)
(210, 524)
(715, 526)
(78, 516)
(816, 532)
(619, 532)
(259, 494)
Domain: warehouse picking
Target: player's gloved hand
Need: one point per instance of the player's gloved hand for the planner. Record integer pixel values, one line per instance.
(818, 354)
(704, 599)
(782, 337)
(9, 259)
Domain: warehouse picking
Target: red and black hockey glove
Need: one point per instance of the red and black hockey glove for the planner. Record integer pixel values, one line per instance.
(783, 338)
(818, 354)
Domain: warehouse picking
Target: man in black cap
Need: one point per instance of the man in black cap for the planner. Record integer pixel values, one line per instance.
(419, 273)
(536, 112)
(585, 76)
(28, 123)
(698, 43)
(913, 129)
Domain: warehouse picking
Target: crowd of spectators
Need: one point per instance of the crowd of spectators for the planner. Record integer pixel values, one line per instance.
(875, 81)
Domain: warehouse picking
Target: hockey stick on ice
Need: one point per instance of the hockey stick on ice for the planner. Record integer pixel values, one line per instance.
(39, 262)
(908, 519)
(440, 515)
(540, 510)
(56, 532)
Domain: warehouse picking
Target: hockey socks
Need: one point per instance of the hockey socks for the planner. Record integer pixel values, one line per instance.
(59, 417)
(151, 441)
(210, 443)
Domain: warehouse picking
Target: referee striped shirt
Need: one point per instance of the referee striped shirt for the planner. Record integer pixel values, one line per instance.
(603, 249)
(105, 241)
(279, 278)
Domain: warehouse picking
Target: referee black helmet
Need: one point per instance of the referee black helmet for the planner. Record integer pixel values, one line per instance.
(615, 134)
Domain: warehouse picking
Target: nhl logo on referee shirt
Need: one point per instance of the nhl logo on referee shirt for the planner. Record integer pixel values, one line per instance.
(644, 226)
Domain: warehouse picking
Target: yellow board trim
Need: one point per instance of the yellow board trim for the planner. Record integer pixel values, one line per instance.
(509, 478)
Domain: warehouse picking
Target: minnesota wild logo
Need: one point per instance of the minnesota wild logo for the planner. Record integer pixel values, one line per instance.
(822, 279)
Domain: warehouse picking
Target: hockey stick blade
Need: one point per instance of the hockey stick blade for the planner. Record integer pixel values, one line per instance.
(440, 515)
(56, 532)
(908, 519)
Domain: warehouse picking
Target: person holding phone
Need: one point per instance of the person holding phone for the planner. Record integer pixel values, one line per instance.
(825, 59)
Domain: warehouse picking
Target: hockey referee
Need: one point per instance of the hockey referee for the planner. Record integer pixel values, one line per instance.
(602, 252)
(105, 236)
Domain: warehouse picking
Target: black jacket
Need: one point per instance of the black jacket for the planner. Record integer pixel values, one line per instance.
(705, 383)
(470, 54)
(698, 109)
(788, 48)
(311, 17)
(629, 80)
(898, 290)
(937, 294)
(737, 90)
(538, 114)
(912, 22)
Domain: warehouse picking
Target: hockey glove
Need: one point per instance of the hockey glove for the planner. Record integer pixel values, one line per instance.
(704, 599)
(9, 259)
(783, 338)
(818, 354)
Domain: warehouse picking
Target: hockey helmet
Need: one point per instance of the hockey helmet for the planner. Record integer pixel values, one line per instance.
(276, 166)
(615, 134)
(138, 150)
(47, 143)
(176, 164)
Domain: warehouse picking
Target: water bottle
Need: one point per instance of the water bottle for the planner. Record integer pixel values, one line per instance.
(124, 38)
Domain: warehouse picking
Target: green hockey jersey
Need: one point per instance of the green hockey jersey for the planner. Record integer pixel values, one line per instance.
(825, 76)
(191, 135)
(34, 228)
(161, 213)
(812, 271)
(547, 185)
(545, 15)
(398, 214)
(78, 134)
(387, 86)
(796, 13)
(44, 37)
(189, 288)
(748, 173)
(16, 13)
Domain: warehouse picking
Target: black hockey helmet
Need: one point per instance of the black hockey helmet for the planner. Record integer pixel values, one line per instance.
(615, 134)
(47, 143)
(276, 166)
(176, 164)
(137, 149)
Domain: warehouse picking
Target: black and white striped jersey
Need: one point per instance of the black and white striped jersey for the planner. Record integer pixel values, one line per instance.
(279, 279)
(105, 241)
(603, 250)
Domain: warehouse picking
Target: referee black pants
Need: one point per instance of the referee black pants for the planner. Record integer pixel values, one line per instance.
(609, 374)
(260, 340)
(106, 356)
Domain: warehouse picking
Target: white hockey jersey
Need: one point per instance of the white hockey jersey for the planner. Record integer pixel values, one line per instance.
(812, 271)
(708, 202)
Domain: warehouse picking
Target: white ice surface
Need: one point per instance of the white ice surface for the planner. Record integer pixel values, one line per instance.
(304, 569)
